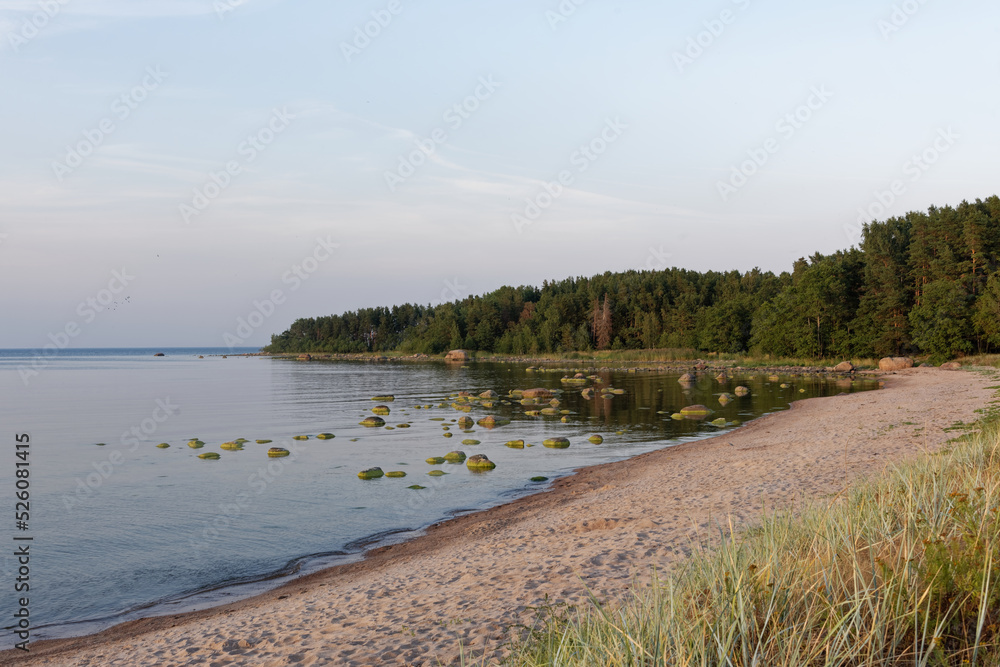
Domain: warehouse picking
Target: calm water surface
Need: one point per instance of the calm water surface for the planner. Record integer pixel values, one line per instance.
(127, 529)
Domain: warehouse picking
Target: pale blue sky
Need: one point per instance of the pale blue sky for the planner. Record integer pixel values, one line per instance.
(162, 94)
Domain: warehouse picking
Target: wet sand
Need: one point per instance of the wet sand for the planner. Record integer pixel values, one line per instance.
(468, 579)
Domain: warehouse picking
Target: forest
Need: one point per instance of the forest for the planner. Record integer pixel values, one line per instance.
(920, 284)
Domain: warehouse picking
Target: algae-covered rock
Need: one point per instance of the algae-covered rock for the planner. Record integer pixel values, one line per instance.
(447, 435)
(390, 428)
(491, 421)
(549, 411)
(695, 411)
(196, 444)
(721, 421)
(325, 436)
(395, 473)
(470, 441)
(387, 398)
(785, 385)
(231, 446)
(263, 442)
(416, 487)
(437, 419)
(210, 455)
(539, 479)
(164, 445)
(596, 439)
(100, 444)
(479, 462)
(538, 392)
(515, 444)
(380, 410)
(402, 426)
(277, 452)
(532, 413)
(372, 422)
(436, 460)
(677, 416)
(564, 420)
(300, 437)
(556, 443)
(371, 473)
(437, 473)
(454, 457)
(742, 391)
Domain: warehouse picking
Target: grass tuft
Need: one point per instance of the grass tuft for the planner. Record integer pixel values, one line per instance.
(897, 570)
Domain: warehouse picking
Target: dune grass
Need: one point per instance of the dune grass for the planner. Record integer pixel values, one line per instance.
(899, 569)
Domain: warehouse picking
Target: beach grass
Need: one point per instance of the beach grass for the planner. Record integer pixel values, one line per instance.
(899, 569)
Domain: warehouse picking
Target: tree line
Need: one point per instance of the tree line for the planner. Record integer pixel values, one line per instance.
(923, 283)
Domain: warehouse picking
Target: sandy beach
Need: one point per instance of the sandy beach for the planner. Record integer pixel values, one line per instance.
(465, 581)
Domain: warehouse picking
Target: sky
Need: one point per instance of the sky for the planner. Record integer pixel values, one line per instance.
(204, 172)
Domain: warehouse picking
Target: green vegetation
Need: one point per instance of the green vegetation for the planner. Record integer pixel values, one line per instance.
(899, 569)
(921, 283)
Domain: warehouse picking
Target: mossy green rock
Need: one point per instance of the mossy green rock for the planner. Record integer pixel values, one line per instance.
(596, 439)
(416, 487)
(470, 442)
(263, 442)
(277, 452)
(300, 437)
(678, 416)
(516, 444)
(721, 421)
(564, 420)
(388, 398)
(695, 411)
(395, 473)
(231, 446)
(163, 445)
(539, 479)
(437, 473)
(447, 435)
(101, 444)
(196, 444)
(532, 413)
(556, 443)
(491, 421)
(380, 410)
(454, 457)
(479, 462)
(325, 436)
(436, 460)
(210, 456)
(371, 473)
(372, 422)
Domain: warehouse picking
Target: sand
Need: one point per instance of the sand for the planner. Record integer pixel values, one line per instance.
(468, 579)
